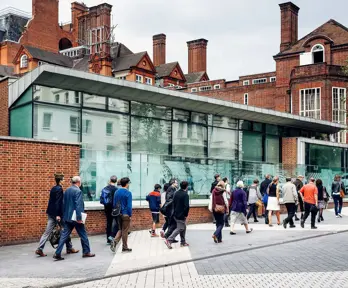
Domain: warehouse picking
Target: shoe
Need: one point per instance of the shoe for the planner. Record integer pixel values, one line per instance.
(321, 218)
(339, 214)
(279, 224)
(40, 253)
(57, 257)
(214, 222)
(129, 233)
(162, 234)
(175, 241)
(270, 225)
(296, 218)
(220, 241)
(168, 244)
(72, 251)
(251, 230)
(314, 227)
(215, 238)
(255, 221)
(126, 250)
(88, 255)
(154, 235)
(113, 246)
(233, 233)
(292, 226)
(284, 224)
(227, 225)
(184, 245)
(302, 223)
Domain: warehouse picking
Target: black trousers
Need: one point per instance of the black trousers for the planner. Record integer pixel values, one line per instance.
(111, 226)
(310, 209)
(291, 208)
(171, 226)
(300, 203)
(252, 210)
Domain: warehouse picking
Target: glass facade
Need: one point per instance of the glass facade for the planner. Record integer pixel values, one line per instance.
(149, 143)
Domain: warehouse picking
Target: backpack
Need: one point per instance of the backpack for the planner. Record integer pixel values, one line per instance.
(105, 197)
(54, 237)
(117, 210)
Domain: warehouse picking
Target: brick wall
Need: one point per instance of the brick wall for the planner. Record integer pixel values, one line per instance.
(4, 107)
(289, 151)
(27, 169)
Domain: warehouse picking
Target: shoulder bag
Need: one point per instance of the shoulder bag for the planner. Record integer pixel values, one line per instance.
(220, 209)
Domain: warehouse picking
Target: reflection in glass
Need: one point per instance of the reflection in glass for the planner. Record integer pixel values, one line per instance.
(56, 95)
(223, 143)
(224, 122)
(118, 105)
(150, 110)
(94, 101)
(251, 146)
(272, 149)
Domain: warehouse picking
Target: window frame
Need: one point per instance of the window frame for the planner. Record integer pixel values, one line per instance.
(205, 88)
(66, 98)
(339, 137)
(246, 82)
(24, 61)
(217, 87)
(112, 128)
(77, 119)
(86, 129)
(48, 128)
(146, 81)
(322, 49)
(246, 97)
(194, 90)
(272, 79)
(140, 78)
(259, 81)
(303, 112)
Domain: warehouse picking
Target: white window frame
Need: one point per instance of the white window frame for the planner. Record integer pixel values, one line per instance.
(86, 129)
(339, 137)
(246, 82)
(77, 128)
(24, 61)
(205, 88)
(112, 128)
(66, 98)
(272, 79)
(194, 90)
(148, 81)
(246, 99)
(322, 49)
(139, 78)
(304, 111)
(56, 98)
(217, 87)
(260, 81)
(46, 128)
(170, 85)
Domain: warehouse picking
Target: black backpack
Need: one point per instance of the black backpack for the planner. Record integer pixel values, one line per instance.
(55, 235)
(117, 210)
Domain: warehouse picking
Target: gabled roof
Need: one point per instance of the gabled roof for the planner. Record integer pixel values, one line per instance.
(331, 30)
(165, 70)
(119, 50)
(127, 62)
(195, 77)
(6, 70)
(50, 57)
(82, 64)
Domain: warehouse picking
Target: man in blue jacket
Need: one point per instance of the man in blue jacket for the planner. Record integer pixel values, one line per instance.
(73, 201)
(123, 197)
(154, 199)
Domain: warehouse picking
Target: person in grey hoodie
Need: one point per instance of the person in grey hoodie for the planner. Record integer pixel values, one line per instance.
(253, 195)
(290, 199)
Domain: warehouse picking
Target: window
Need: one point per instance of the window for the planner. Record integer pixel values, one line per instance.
(310, 103)
(246, 82)
(109, 150)
(171, 85)
(246, 99)
(318, 53)
(259, 81)
(121, 77)
(77, 98)
(74, 124)
(66, 98)
(216, 86)
(148, 81)
(109, 128)
(24, 61)
(139, 78)
(193, 90)
(205, 88)
(339, 111)
(272, 79)
(47, 118)
(87, 126)
(56, 97)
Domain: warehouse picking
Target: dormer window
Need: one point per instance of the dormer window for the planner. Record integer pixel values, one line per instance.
(318, 54)
(24, 61)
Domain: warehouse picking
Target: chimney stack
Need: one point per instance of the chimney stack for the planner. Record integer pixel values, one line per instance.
(289, 24)
(77, 10)
(197, 55)
(159, 49)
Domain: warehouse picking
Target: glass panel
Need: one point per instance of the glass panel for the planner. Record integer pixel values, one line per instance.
(245, 125)
(27, 96)
(94, 101)
(150, 136)
(223, 143)
(258, 127)
(225, 122)
(21, 121)
(272, 129)
(252, 146)
(181, 115)
(118, 105)
(198, 118)
(149, 110)
(189, 139)
(325, 156)
(56, 95)
(272, 149)
(64, 126)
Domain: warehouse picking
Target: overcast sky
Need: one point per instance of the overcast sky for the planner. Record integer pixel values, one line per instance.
(243, 35)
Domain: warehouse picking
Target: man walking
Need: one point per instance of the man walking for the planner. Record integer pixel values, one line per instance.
(106, 199)
(299, 184)
(310, 198)
(170, 207)
(73, 202)
(290, 199)
(55, 213)
(181, 209)
(263, 190)
(123, 199)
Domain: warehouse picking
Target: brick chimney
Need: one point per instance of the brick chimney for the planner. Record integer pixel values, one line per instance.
(77, 10)
(159, 49)
(197, 55)
(46, 10)
(289, 24)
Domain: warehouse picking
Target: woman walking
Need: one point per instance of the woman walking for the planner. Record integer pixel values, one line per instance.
(253, 197)
(220, 208)
(322, 195)
(273, 200)
(338, 192)
(239, 205)
(228, 195)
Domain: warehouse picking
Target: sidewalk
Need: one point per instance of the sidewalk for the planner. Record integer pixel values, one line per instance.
(19, 267)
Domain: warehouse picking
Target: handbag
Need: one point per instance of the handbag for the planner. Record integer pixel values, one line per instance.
(259, 203)
(54, 237)
(220, 209)
(342, 194)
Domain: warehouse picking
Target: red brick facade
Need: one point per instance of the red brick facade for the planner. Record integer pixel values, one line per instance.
(197, 55)
(289, 151)
(4, 112)
(159, 49)
(289, 25)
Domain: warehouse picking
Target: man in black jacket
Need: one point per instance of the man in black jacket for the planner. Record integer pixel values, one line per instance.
(181, 209)
(263, 190)
(299, 184)
(216, 181)
(170, 207)
(54, 214)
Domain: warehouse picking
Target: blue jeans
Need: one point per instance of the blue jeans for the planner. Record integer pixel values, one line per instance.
(219, 218)
(67, 229)
(338, 204)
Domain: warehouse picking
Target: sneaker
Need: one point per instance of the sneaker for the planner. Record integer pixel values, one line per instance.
(270, 225)
(184, 245)
(126, 250)
(215, 238)
(57, 257)
(162, 234)
(40, 253)
(175, 241)
(296, 218)
(284, 224)
(113, 246)
(292, 226)
(314, 227)
(233, 233)
(302, 223)
(168, 244)
(340, 215)
(337, 216)
(154, 235)
(251, 230)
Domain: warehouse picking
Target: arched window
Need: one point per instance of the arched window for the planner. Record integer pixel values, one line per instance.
(318, 53)
(24, 61)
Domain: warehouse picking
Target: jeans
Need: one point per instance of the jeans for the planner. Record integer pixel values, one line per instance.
(252, 210)
(291, 208)
(180, 229)
(165, 225)
(80, 229)
(219, 218)
(171, 226)
(310, 209)
(338, 203)
(111, 225)
(123, 223)
(51, 223)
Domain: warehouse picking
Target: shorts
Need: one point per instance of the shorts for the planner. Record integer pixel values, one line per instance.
(237, 216)
(155, 217)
